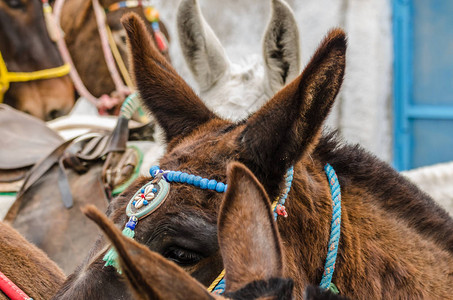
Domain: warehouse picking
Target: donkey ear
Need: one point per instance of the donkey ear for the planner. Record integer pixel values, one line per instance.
(173, 103)
(288, 125)
(281, 47)
(248, 237)
(149, 275)
(202, 50)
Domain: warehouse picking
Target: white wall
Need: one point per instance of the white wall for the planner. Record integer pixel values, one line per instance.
(363, 109)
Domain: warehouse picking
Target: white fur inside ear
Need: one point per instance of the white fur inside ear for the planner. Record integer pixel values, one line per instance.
(235, 90)
(201, 48)
(281, 51)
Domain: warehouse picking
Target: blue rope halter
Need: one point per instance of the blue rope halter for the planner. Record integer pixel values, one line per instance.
(329, 267)
(156, 191)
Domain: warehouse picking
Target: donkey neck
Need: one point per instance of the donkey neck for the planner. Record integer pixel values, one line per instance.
(369, 225)
(392, 192)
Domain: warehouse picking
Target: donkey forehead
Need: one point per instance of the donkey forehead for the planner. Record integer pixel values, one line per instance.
(252, 64)
(243, 75)
(26, 38)
(206, 152)
(240, 91)
(25, 20)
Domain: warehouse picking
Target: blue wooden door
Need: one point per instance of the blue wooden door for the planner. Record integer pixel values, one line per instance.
(423, 77)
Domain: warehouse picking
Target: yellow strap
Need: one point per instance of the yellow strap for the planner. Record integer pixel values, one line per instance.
(4, 83)
(143, 118)
(119, 59)
(216, 281)
(7, 77)
(41, 74)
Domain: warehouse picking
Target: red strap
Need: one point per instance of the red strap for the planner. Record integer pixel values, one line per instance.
(11, 290)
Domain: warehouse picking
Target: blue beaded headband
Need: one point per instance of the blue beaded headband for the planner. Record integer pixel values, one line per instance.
(151, 195)
(182, 177)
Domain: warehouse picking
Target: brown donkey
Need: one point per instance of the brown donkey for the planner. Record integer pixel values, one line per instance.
(84, 43)
(252, 256)
(395, 241)
(27, 266)
(25, 46)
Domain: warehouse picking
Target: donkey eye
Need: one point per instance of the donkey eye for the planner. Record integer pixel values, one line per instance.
(182, 257)
(15, 3)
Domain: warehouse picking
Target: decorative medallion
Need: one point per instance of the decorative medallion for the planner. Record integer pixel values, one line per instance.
(148, 198)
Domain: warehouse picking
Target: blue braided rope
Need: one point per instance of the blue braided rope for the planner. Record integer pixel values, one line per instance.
(219, 288)
(130, 105)
(282, 198)
(335, 192)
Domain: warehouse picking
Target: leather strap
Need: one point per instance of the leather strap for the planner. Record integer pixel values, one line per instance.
(36, 172)
(40, 168)
(119, 136)
(116, 149)
(8, 176)
(63, 186)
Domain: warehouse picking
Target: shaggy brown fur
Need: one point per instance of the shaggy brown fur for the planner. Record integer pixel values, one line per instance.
(84, 44)
(27, 266)
(387, 249)
(25, 46)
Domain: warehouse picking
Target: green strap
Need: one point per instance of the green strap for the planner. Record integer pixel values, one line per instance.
(8, 193)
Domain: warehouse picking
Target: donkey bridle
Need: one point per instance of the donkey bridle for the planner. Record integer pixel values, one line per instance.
(6, 77)
(151, 196)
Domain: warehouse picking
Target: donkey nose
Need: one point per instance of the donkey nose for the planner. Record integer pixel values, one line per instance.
(54, 113)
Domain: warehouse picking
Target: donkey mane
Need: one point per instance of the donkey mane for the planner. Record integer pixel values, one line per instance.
(408, 203)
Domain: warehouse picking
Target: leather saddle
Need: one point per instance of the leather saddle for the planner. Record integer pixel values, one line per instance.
(32, 149)
(24, 141)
